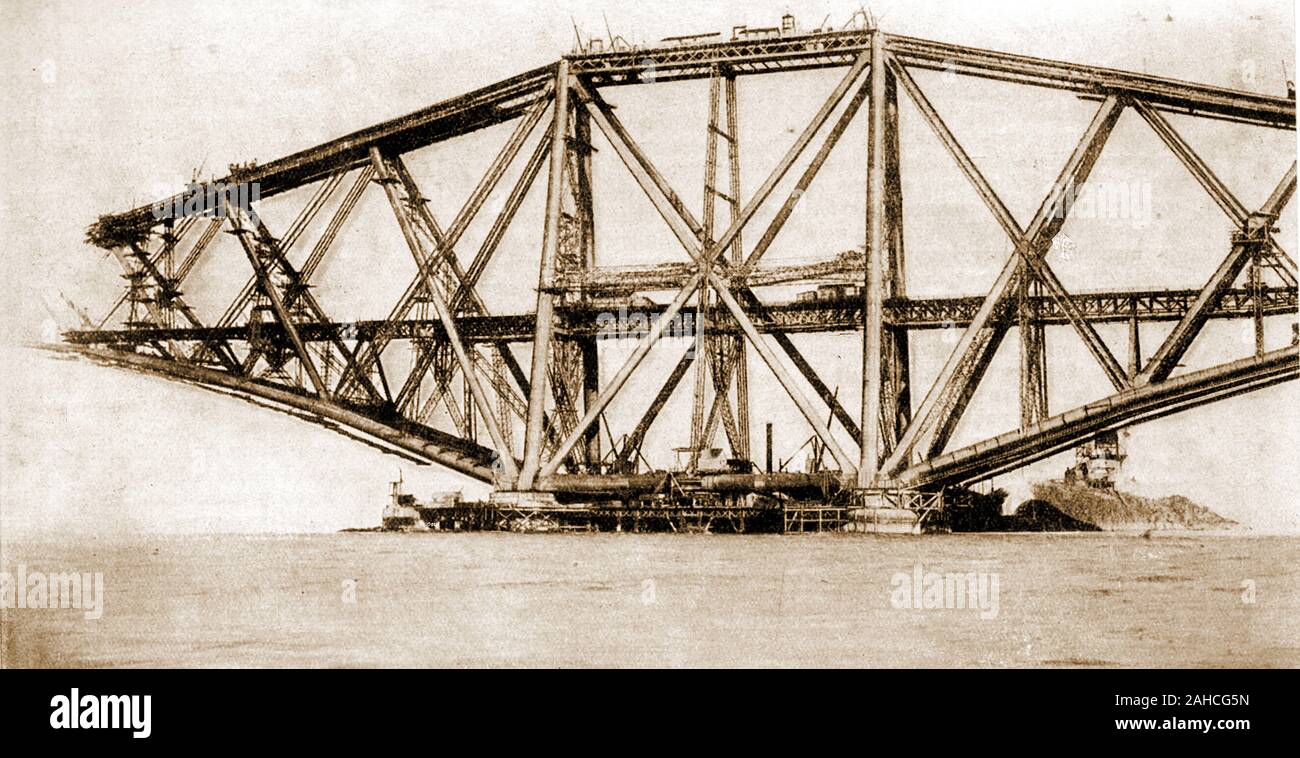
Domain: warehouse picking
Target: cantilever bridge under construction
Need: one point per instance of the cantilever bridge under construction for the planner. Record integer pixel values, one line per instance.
(540, 424)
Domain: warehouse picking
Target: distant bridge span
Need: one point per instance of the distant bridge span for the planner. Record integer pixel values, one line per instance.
(543, 424)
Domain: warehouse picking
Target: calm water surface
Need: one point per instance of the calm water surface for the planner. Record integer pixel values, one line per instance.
(495, 599)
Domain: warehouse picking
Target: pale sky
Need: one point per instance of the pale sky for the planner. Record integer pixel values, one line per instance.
(108, 105)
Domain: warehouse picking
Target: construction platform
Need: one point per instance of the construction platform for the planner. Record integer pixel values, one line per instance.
(870, 512)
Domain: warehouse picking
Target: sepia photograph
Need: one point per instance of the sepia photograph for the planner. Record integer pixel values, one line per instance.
(587, 334)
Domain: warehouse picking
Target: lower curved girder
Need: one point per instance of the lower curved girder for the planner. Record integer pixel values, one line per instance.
(1143, 403)
(414, 440)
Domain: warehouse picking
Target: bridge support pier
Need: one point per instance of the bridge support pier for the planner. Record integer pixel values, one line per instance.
(891, 510)
(533, 428)
(886, 380)
(580, 149)
(873, 284)
(896, 408)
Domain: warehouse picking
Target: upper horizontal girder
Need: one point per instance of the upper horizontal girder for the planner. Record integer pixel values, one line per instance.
(507, 99)
(484, 107)
(840, 48)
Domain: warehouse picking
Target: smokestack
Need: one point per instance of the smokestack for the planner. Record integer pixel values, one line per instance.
(769, 448)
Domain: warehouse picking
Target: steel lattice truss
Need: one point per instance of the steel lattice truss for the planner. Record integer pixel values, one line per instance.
(277, 342)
